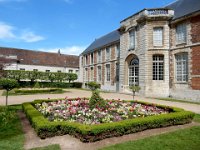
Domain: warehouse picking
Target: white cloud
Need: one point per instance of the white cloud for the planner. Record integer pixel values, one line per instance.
(6, 31)
(71, 50)
(29, 37)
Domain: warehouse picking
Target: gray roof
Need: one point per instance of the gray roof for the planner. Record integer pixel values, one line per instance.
(103, 41)
(184, 7)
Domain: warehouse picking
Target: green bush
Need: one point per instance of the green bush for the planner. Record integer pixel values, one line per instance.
(37, 85)
(91, 133)
(96, 100)
(77, 85)
(38, 91)
(93, 85)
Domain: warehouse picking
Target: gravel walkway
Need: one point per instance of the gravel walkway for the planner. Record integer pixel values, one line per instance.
(68, 142)
(72, 93)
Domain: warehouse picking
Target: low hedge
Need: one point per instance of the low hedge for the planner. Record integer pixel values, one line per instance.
(91, 133)
(28, 84)
(34, 91)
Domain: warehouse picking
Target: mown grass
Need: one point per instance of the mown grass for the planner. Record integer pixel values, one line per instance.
(184, 139)
(197, 118)
(177, 100)
(11, 134)
(50, 147)
(12, 93)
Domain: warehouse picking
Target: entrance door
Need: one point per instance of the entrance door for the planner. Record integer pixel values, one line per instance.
(134, 72)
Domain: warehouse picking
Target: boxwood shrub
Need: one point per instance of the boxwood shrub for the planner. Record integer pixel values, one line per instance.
(34, 91)
(91, 133)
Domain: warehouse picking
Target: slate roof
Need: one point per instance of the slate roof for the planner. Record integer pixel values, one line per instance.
(109, 38)
(184, 7)
(30, 57)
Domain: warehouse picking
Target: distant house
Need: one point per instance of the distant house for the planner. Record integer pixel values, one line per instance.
(157, 49)
(29, 60)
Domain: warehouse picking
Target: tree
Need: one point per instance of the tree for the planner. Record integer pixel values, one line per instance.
(72, 77)
(8, 85)
(134, 89)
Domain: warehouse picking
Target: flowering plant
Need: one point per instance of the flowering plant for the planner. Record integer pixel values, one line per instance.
(78, 110)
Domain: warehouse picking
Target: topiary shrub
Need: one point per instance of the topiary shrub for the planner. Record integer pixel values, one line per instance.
(37, 85)
(96, 101)
(93, 85)
(134, 89)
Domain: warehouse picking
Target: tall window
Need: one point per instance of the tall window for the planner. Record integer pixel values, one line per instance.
(91, 74)
(158, 67)
(181, 67)
(99, 56)
(158, 36)
(117, 50)
(132, 39)
(108, 53)
(92, 58)
(134, 72)
(181, 33)
(99, 74)
(108, 72)
(86, 74)
(86, 60)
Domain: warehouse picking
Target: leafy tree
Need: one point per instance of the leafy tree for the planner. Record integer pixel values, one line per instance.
(8, 85)
(96, 101)
(134, 89)
(72, 77)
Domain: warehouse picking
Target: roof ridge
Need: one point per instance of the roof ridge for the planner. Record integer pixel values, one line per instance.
(36, 51)
(171, 3)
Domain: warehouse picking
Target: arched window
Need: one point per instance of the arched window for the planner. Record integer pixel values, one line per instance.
(134, 72)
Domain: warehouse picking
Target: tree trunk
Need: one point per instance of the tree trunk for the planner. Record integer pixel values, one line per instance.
(133, 94)
(6, 97)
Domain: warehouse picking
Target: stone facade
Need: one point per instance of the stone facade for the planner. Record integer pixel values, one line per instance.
(167, 67)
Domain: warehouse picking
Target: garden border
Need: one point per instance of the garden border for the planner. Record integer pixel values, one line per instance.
(92, 133)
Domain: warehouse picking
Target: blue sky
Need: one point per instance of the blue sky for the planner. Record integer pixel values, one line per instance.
(69, 25)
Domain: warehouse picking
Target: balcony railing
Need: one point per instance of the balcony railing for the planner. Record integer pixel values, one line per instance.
(157, 12)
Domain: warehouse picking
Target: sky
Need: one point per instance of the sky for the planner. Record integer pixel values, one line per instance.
(68, 25)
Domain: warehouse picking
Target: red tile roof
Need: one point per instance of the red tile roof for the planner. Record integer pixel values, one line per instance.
(30, 57)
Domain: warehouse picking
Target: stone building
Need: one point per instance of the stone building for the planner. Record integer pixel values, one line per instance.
(157, 49)
(29, 60)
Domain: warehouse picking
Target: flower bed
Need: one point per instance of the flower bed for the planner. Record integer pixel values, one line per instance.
(60, 117)
(78, 110)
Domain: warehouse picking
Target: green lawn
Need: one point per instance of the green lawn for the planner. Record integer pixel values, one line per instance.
(176, 100)
(50, 147)
(11, 134)
(12, 93)
(184, 139)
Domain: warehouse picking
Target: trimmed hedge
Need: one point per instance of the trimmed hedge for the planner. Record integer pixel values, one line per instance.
(34, 91)
(91, 133)
(28, 84)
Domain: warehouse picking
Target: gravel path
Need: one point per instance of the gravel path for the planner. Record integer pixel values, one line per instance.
(72, 93)
(68, 142)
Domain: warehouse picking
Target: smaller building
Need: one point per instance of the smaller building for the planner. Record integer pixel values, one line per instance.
(100, 62)
(30, 60)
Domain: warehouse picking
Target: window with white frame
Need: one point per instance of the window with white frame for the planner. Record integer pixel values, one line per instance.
(86, 60)
(47, 70)
(91, 74)
(158, 36)
(108, 72)
(108, 53)
(59, 71)
(23, 69)
(86, 74)
(99, 56)
(70, 71)
(132, 39)
(91, 58)
(99, 73)
(35, 69)
(181, 67)
(133, 72)
(158, 67)
(181, 33)
(117, 50)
